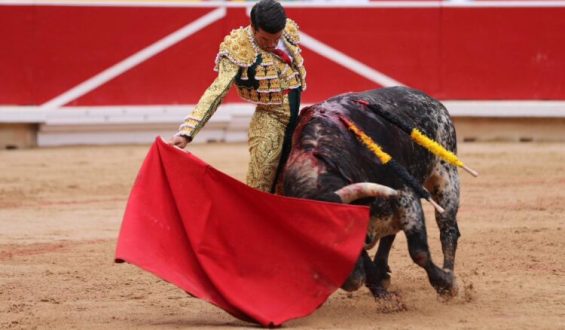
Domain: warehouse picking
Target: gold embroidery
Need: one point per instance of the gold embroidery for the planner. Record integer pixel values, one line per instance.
(293, 83)
(244, 74)
(211, 99)
(292, 40)
(271, 72)
(267, 59)
(275, 85)
(239, 47)
(302, 71)
(291, 32)
(276, 97)
(264, 98)
(266, 137)
(283, 84)
(253, 96)
(282, 68)
(260, 73)
(243, 92)
(263, 86)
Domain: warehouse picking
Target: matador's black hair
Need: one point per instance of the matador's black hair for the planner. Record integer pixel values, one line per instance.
(269, 16)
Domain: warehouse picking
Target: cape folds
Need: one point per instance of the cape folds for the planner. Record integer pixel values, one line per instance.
(261, 257)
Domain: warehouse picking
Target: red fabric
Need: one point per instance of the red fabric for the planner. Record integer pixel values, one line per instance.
(260, 257)
(284, 56)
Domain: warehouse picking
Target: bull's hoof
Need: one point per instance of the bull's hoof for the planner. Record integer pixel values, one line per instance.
(446, 287)
(390, 302)
(379, 292)
(353, 284)
(356, 279)
(385, 280)
(447, 294)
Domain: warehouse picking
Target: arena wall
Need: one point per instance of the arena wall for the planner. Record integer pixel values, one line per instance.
(123, 71)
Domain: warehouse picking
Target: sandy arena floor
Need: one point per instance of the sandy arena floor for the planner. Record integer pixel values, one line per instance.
(61, 208)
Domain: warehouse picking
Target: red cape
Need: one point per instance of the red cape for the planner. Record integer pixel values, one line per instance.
(260, 257)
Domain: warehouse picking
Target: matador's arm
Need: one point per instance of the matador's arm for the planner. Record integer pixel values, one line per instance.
(210, 100)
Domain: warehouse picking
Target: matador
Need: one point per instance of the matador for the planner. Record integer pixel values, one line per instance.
(267, 68)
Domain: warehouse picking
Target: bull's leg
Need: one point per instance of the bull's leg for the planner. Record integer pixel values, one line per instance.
(444, 187)
(357, 276)
(381, 261)
(373, 277)
(366, 272)
(375, 274)
(412, 220)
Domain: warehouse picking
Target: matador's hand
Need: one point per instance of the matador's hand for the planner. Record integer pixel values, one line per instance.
(179, 141)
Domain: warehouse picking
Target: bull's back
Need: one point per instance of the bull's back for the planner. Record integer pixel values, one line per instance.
(338, 156)
(412, 107)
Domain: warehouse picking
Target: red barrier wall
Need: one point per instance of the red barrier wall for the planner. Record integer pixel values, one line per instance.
(465, 53)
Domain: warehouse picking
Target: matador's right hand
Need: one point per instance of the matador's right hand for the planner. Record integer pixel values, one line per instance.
(179, 141)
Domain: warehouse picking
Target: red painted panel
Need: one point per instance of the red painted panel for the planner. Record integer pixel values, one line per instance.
(503, 53)
(451, 53)
(400, 43)
(179, 75)
(325, 79)
(16, 53)
(71, 44)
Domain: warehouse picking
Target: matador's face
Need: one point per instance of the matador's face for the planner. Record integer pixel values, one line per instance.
(265, 40)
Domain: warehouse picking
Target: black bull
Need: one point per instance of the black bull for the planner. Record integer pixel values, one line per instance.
(326, 157)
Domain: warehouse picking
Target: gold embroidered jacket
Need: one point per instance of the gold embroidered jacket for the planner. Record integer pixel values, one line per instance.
(261, 77)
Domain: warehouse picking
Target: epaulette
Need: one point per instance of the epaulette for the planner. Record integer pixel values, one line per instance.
(238, 48)
(291, 32)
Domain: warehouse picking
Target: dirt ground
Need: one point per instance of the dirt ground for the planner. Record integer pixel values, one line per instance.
(61, 209)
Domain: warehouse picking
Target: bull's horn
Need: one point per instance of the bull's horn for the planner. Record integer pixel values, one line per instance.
(364, 189)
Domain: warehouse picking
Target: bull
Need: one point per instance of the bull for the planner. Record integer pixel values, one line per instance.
(328, 163)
